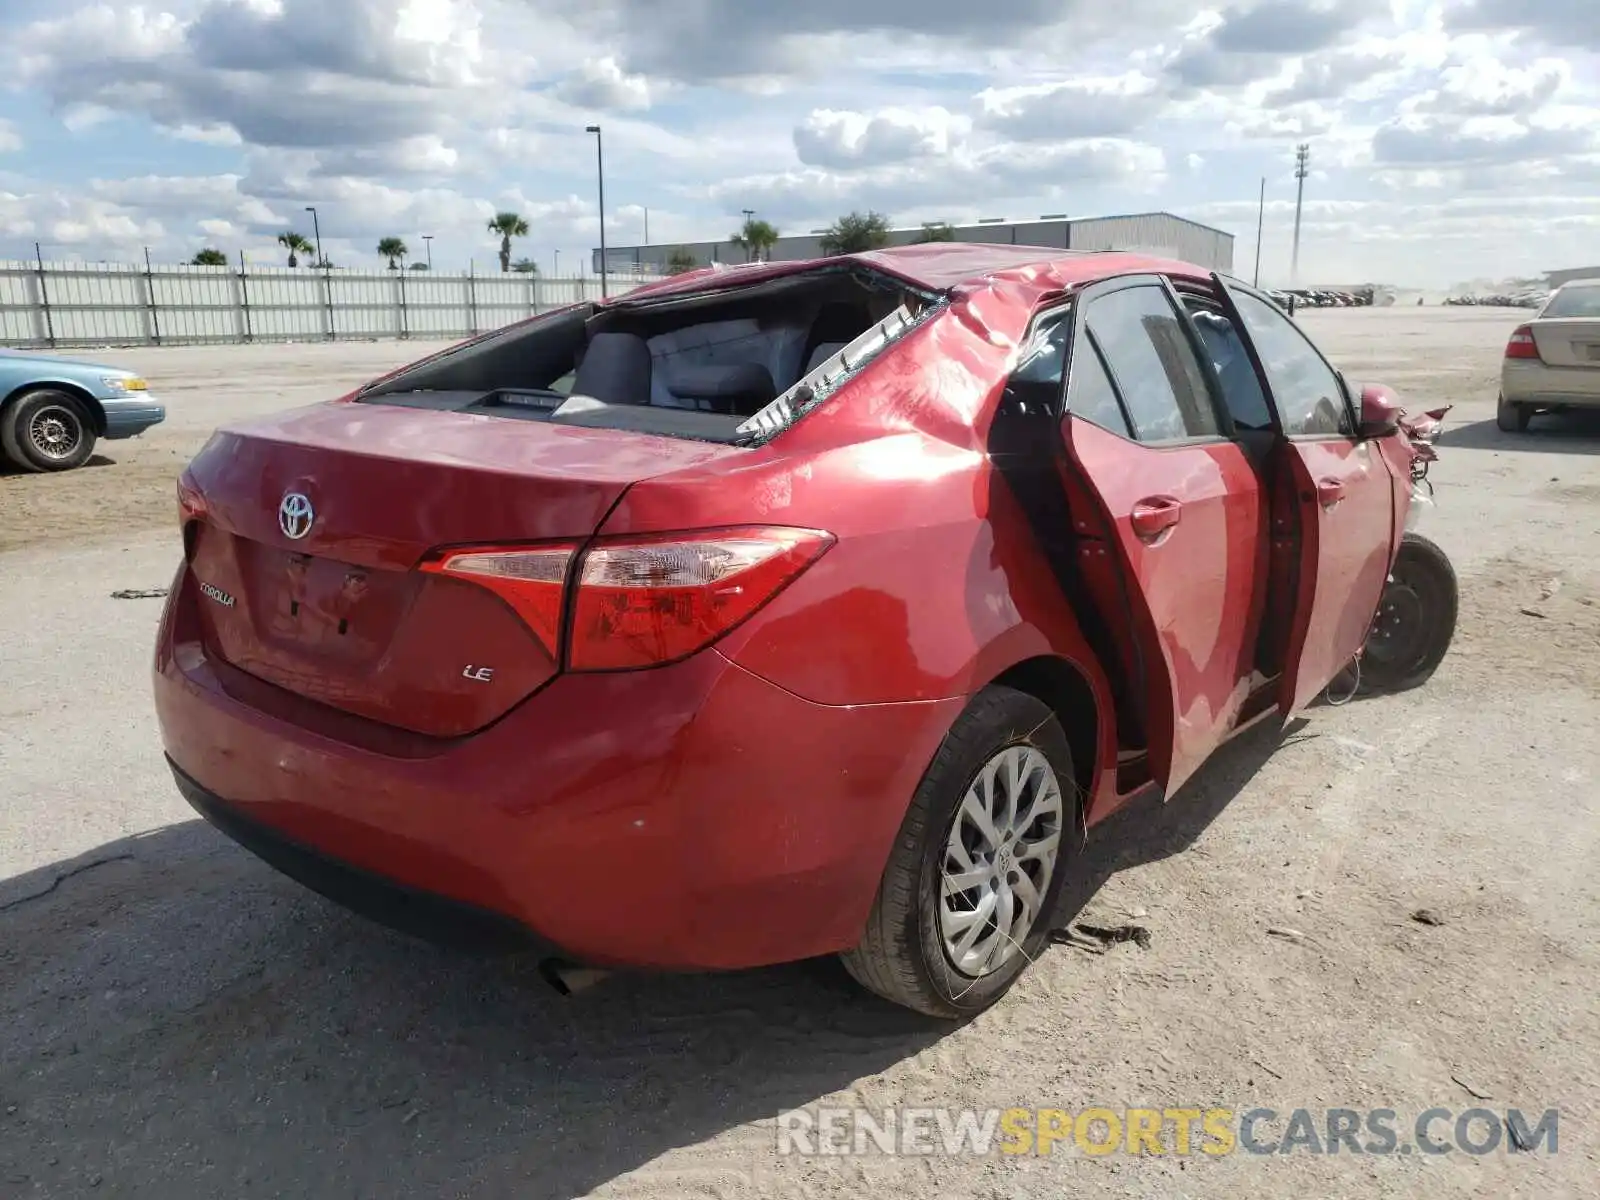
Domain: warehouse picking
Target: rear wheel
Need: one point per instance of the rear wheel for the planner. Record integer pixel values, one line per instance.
(47, 430)
(1512, 417)
(965, 900)
(1416, 619)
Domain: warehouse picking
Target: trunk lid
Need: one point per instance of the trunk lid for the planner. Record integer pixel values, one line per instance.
(1568, 341)
(340, 615)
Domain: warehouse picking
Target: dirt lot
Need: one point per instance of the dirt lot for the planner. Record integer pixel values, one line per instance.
(179, 1021)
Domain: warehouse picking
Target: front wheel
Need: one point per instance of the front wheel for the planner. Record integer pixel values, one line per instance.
(1511, 417)
(47, 431)
(964, 904)
(1416, 619)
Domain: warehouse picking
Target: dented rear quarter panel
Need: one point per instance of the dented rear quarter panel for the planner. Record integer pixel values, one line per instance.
(936, 585)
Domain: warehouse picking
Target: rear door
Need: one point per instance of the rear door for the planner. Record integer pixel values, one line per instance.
(1342, 523)
(1177, 505)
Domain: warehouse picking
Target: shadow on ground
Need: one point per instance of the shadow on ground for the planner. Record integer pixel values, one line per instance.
(183, 1022)
(7, 467)
(1571, 432)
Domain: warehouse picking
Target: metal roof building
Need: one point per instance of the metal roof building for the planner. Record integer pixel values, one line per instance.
(1556, 278)
(1158, 233)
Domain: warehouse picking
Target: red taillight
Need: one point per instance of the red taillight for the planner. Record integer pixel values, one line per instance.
(641, 601)
(1522, 344)
(532, 580)
(647, 601)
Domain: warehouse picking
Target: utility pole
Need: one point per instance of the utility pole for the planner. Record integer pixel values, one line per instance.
(316, 229)
(427, 239)
(1302, 168)
(1261, 225)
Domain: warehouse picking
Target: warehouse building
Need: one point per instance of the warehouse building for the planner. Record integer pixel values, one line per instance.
(1159, 233)
(1555, 279)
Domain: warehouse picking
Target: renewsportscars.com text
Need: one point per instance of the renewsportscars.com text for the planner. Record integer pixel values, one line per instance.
(1210, 1131)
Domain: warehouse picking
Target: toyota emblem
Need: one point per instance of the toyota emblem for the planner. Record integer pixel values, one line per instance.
(295, 515)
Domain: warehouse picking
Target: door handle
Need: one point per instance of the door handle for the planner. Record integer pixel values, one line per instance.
(1329, 492)
(1154, 516)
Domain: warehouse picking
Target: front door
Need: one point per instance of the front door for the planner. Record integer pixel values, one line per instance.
(1343, 498)
(1179, 507)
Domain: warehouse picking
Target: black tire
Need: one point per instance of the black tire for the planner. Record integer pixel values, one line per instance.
(31, 424)
(1423, 597)
(1510, 417)
(902, 956)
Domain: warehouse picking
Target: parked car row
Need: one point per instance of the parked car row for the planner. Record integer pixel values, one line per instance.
(1529, 299)
(1317, 298)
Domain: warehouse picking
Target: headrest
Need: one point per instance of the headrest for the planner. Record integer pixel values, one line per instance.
(615, 369)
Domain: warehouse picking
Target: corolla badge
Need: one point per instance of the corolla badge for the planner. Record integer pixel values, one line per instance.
(295, 515)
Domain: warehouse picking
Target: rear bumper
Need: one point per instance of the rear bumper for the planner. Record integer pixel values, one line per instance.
(1541, 384)
(690, 817)
(424, 914)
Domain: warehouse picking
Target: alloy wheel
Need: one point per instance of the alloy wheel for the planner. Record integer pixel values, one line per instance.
(998, 860)
(55, 432)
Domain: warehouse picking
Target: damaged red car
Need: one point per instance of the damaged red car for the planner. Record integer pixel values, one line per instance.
(786, 610)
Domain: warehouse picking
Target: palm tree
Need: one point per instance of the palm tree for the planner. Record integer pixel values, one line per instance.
(394, 250)
(755, 238)
(856, 232)
(508, 225)
(679, 261)
(937, 231)
(296, 245)
(210, 258)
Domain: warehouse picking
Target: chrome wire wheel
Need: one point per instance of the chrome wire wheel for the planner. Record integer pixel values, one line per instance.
(999, 858)
(55, 432)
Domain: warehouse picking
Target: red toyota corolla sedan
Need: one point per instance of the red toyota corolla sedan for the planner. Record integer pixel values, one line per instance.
(785, 610)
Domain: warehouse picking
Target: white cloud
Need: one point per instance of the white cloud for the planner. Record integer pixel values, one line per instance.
(603, 84)
(403, 117)
(845, 139)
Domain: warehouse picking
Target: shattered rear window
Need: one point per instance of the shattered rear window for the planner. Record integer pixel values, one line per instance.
(833, 373)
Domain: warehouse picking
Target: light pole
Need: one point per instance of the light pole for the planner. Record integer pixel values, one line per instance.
(1261, 224)
(749, 215)
(600, 175)
(1302, 168)
(555, 270)
(316, 229)
(647, 227)
(427, 240)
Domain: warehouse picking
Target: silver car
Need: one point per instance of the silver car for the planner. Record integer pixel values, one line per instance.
(1553, 362)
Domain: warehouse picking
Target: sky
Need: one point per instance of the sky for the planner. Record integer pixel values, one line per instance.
(1450, 139)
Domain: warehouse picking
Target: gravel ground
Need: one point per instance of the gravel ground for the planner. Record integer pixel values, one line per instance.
(179, 1021)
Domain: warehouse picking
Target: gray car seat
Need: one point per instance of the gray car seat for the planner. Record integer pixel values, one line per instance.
(615, 369)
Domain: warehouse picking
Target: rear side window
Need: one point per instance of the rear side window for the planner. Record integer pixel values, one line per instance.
(1152, 364)
(1310, 398)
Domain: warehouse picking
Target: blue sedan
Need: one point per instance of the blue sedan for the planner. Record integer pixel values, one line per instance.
(53, 410)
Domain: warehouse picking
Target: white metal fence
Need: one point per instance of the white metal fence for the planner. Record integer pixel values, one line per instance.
(48, 305)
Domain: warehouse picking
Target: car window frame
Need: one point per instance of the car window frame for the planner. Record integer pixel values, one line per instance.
(1213, 387)
(1199, 292)
(1227, 286)
(1068, 309)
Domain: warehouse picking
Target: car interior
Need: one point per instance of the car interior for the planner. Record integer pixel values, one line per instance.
(698, 365)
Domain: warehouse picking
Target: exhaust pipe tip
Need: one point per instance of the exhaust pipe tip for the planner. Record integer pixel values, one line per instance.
(567, 978)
